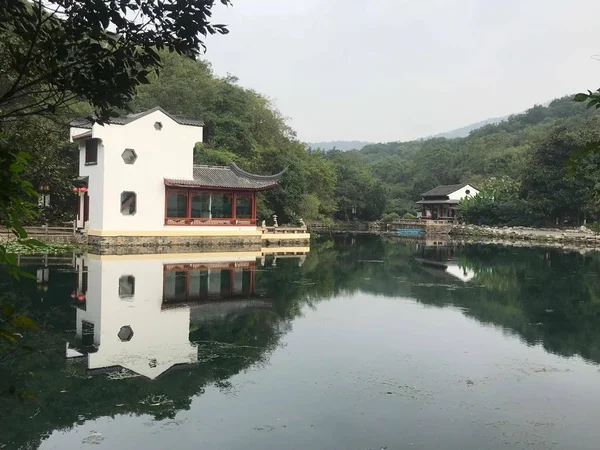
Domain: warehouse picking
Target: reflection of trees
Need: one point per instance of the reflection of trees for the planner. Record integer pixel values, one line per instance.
(541, 295)
(545, 296)
(58, 393)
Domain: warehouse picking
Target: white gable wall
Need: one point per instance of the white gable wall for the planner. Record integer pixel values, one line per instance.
(167, 153)
(462, 193)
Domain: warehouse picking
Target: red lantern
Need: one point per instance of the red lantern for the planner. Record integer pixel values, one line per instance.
(73, 294)
(75, 190)
(81, 297)
(83, 189)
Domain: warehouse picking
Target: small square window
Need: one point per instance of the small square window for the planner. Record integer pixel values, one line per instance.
(128, 203)
(91, 151)
(129, 156)
(126, 286)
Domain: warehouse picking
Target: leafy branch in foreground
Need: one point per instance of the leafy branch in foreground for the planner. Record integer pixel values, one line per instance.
(593, 101)
(55, 53)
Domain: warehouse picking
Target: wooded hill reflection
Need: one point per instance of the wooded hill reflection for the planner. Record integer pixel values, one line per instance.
(543, 296)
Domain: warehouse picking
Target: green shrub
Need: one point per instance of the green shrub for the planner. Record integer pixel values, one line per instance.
(387, 218)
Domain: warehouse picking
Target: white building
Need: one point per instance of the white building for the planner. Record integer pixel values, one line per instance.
(138, 180)
(441, 202)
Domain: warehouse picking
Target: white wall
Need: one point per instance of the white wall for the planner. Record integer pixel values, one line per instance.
(95, 172)
(159, 334)
(168, 153)
(462, 273)
(462, 193)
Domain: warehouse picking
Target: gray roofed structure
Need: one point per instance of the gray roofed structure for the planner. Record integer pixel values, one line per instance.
(438, 202)
(124, 120)
(445, 190)
(229, 177)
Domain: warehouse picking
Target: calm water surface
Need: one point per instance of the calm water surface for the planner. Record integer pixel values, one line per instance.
(362, 344)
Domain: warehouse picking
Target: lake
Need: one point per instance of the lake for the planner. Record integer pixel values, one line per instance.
(362, 343)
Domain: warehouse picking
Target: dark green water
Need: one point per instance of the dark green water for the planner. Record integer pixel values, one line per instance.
(363, 344)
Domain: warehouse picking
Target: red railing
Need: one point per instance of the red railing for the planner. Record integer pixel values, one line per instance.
(186, 221)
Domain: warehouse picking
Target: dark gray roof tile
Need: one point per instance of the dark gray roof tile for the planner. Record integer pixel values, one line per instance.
(441, 191)
(124, 120)
(230, 177)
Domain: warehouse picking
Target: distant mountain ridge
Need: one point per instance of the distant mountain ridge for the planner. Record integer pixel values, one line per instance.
(338, 145)
(464, 131)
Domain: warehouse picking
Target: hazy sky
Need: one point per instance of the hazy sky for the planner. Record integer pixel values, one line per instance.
(386, 70)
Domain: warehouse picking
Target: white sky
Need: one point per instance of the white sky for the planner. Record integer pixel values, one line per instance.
(387, 70)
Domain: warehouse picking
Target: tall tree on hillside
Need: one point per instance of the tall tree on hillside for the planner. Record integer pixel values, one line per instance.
(546, 182)
(53, 54)
(244, 127)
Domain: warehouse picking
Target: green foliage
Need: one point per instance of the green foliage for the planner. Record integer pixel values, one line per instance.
(592, 98)
(12, 324)
(53, 54)
(483, 210)
(242, 126)
(391, 217)
(516, 163)
(359, 195)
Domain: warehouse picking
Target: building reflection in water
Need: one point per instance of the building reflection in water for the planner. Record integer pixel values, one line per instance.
(135, 312)
(438, 256)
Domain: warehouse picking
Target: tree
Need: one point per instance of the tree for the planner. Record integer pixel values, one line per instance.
(244, 127)
(53, 54)
(546, 181)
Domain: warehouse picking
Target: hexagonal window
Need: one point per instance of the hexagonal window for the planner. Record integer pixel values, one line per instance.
(125, 333)
(129, 156)
(158, 126)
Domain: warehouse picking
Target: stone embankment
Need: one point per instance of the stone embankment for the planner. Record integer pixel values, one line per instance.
(580, 236)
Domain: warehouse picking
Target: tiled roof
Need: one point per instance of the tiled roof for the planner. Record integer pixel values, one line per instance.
(230, 177)
(441, 191)
(124, 120)
(438, 202)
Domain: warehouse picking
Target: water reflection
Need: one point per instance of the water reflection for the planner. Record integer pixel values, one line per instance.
(189, 321)
(141, 315)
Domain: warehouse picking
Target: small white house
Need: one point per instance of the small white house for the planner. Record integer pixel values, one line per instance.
(441, 202)
(138, 179)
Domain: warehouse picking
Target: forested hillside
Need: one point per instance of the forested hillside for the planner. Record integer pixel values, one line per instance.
(337, 145)
(520, 162)
(466, 130)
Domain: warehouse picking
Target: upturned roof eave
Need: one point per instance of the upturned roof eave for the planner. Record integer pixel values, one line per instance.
(185, 184)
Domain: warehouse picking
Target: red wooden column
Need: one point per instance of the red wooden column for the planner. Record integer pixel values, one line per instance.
(188, 207)
(234, 207)
(254, 207)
